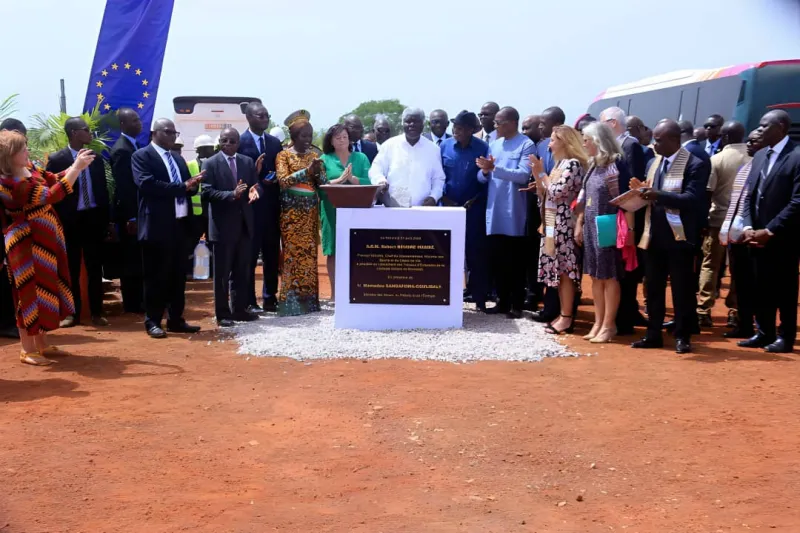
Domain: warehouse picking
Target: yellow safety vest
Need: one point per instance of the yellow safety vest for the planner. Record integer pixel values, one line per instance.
(197, 204)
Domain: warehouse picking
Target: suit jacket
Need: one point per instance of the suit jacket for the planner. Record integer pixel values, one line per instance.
(126, 194)
(691, 203)
(429, 136)
(369, 149)
(226, 214)
(779, 201)
(634, 157)
(67, 209)
(157, 194)
(248, 147)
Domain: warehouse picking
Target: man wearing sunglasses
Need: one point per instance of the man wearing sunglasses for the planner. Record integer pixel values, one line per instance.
(85, 216)
(164, 224)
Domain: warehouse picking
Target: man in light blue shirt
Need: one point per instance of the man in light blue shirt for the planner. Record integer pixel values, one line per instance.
(507, 170)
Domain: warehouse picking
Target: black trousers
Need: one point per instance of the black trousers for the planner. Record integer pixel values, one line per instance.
(84, 239)
(165, 277)
(130, 279)
(8, 312)
(267, 241)
(677, 264)
(508, 270)
(477, 254)
(534, 240)
(776, 271)
(744, 279)
(629, 295)
(231, 282)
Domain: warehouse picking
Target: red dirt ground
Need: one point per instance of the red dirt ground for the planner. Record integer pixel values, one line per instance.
(137, 435)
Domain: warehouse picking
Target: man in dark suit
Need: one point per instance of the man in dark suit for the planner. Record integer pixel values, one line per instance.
(671, 234)
(713, 128)
(85, 217)
(355, 129)
(164, 226)
(438, 120)
(692, 145)
(257, 144)
(126, 208)
(628, 314)
(771, 217)
(230, 187)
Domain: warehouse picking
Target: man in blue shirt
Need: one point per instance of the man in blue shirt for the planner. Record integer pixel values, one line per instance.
(507, 170)
(462, 188)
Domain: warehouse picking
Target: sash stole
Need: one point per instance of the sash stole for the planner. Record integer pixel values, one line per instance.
(549, 216)
(673, 182)
(736, 199)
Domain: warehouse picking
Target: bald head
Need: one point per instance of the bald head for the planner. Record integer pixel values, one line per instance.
(551, 117)
(667, 137)
(354, 127)
(164, 133)
(487, 114)
(229, 141)
(636, 128)
(774, 126)
(687, 130)
(733, 132)
(530, 127)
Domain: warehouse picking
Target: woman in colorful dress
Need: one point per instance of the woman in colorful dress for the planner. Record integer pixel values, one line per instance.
(35, 249)
(607, 178)
(342, 167)
(559, 255)
(300, 173)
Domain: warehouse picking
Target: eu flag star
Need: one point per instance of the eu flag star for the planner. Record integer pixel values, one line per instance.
(145, 82)
(99, 83)
(107, 107)
(104, 72)
(100, 96)
(138, 72)
(146, 94)
(127, 66)
(140, 105)
(114, 66)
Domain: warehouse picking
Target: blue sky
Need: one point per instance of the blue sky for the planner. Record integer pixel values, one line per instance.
(428, 53)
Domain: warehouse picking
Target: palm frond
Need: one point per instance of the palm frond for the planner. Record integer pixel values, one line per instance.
(47, 134)
(8, 106)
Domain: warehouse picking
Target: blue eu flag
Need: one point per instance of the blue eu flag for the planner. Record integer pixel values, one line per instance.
(128, 59)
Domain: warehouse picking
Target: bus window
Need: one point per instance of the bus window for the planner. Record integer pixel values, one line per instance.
(742, 92)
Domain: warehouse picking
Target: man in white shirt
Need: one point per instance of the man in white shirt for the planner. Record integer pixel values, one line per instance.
(409, 167)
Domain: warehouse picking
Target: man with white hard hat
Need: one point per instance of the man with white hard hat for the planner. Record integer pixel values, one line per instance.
(204, 147)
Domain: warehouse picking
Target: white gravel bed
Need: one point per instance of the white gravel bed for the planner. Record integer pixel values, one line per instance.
(483, 338)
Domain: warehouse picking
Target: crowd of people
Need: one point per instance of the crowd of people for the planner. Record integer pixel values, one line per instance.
(609, 198)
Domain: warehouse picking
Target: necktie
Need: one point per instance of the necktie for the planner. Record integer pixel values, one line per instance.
(85, 190)
(438, 142)
(175, 176)
(663, 174)
(232, 164)
(356, 147)
(261, 144)
(762, 177)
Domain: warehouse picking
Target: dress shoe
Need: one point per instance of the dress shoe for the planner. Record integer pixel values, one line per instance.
(270, 306)
(683, 346)
(733, 319)
(756, 341)
(541, 317)
(225, 323)
(99, 321)
(182, 327)
(738, 333)
(69, 322)
(648, 343)
(498, 310)
(779, 346)
(156, 332)
(256, 310)
(531, 304)
(704, 321)
(245, 317)
(9, 333)
(514, 314)
(468, 297)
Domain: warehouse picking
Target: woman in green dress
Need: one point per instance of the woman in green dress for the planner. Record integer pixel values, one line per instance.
(342, 167)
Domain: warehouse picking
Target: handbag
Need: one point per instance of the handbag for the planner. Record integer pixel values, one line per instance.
(606, 226)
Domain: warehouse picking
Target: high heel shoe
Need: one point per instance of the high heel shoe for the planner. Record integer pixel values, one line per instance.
(594, 332)
(554, 331)
(604, 336)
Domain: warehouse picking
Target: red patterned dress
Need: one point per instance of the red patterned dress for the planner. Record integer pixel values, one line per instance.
(35, 249)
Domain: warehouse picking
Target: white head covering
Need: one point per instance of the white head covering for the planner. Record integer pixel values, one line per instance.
(277, 132)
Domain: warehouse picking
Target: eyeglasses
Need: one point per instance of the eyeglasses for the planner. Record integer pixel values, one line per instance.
(170, 132)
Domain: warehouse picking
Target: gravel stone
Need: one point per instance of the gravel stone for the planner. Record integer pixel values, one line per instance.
(483, 338)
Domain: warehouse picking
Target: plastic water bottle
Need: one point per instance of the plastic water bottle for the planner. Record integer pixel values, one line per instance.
(202, 261)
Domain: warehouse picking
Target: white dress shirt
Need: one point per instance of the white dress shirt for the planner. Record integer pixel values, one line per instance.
(257, 137)
(776, 151)
(181, 210)
(414, 173)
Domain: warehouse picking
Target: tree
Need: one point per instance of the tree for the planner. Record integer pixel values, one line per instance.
(8, 107)
(393, 110)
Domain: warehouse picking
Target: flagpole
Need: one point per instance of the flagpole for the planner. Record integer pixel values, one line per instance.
(63, 100)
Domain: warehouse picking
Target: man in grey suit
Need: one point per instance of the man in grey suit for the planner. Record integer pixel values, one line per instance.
(438, 121)
(230, 186)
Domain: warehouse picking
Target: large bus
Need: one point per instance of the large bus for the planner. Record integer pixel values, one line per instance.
(198, 115)
(741, 92)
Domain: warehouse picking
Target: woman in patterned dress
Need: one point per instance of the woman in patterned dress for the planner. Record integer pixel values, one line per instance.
(607, 178)
(35, 249)
(559, 255)
(300, 173)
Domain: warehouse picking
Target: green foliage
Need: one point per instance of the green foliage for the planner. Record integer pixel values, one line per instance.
(8, 107)
(393, 110)
(47, 135)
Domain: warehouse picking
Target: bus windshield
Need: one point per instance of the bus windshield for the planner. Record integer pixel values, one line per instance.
(198, 115)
